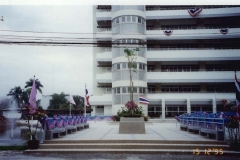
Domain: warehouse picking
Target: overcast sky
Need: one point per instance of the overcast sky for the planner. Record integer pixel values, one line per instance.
(60, 69)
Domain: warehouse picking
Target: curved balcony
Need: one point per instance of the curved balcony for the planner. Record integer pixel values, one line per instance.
(118, 75)
(128, 28)
(180, 14)
(175, 54)
(119, 52)
(190, 77)
(193, 34)
(116, 8)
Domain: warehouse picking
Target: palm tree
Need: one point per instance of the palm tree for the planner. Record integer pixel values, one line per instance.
(37, 82)
(16, 94)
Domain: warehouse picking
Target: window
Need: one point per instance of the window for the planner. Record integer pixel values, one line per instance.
(124, 90)
(124, 65)
(123, 18)
(141, 90)
(142, 66)
(139, 19)
(117, 90)
(129, 18)
(134, 18)
(117, 20)
(128, 41)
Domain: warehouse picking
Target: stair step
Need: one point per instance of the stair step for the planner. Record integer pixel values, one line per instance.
(127, 151)
(133, 141)
(131, 145)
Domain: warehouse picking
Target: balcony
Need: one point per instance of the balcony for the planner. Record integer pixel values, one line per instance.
(192, 54)
(105, 99)
(193, 34)
(105, 56)
(104, 77)
(190, 77)
(105, 35)
(180, 14)
(104, 15)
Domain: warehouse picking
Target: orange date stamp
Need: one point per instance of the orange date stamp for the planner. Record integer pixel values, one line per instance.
(209, 151)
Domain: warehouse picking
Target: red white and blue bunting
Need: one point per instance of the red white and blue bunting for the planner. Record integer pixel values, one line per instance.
(100, 118)
(168, 32)
(194, 12)
(224, 30)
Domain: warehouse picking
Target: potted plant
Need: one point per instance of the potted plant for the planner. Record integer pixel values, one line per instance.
(232, 123)
(33, 114)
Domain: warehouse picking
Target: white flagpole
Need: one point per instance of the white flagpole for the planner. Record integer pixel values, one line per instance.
(70, 104)
(85, 113)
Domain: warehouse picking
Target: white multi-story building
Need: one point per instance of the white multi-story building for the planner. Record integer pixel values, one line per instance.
(190, 67)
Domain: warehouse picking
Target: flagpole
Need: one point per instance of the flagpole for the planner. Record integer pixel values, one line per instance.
(85, 113)
(70, 105)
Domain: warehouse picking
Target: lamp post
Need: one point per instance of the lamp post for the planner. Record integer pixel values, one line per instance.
(1, 19)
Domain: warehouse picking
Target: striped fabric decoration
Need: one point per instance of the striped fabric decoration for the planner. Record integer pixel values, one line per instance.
(168, 32)
(143, 100)
(224, 30)
(194, 12)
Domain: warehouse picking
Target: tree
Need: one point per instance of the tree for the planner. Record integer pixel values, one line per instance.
(132, 67)
(16, 94)
(59, 101)
(37, 82)
(79, 101)
(4, 103)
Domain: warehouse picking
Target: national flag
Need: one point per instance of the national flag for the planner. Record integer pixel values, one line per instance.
(224, 30)
(168, 32)
(71, 100)
(87, 98)
(143, 100)
(237, 84)
(194, 12)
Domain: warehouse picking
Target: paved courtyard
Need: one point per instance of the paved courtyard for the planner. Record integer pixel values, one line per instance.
(154, 131)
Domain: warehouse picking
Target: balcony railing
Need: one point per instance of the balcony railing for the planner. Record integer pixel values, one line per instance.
(202, 92)
(190, 27)
(185, 8)
(189, 70)
(190, 48)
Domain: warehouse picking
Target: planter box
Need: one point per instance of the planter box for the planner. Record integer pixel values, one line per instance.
(132, 125)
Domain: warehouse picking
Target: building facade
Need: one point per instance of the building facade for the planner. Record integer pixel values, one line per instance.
(186, 59)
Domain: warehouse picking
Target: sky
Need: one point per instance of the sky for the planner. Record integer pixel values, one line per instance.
(59, 68)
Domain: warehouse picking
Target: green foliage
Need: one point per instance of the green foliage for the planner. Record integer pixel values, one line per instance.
(124, 112)
(37, 82)
(59, 101)
(13, 147)
(79, 102)
(16, 94)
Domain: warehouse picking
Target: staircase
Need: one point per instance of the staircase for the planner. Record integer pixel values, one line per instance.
(134, 147)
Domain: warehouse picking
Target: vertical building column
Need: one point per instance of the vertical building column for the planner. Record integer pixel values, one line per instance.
(163, 108)
(188, 105)
(214, 104)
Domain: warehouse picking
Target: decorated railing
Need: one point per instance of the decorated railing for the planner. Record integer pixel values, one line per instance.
(99, 118)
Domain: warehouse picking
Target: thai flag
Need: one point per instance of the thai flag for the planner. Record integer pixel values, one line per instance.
(143, 100)
(194, 12)
(224, 30)
(168, 32)
(87, 98)
(237, 84)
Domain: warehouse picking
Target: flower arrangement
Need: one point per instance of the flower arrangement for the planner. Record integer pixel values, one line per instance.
(35, 114)
(232, 124)
(131, 105)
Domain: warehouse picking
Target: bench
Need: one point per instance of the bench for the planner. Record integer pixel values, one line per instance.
(52, 129)
(69, 129)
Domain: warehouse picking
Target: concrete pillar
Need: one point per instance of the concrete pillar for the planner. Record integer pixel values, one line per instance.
(163, 108)
(214, 105)
(188, 105)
